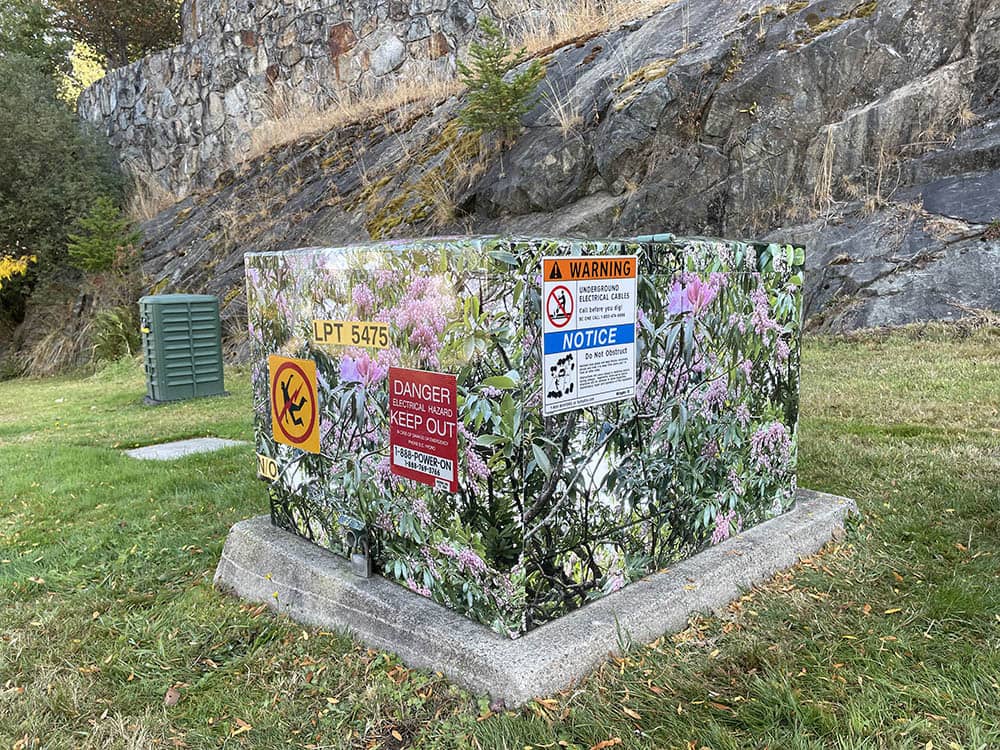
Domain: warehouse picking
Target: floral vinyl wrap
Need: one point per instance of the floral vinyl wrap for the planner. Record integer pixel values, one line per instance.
(551, 512)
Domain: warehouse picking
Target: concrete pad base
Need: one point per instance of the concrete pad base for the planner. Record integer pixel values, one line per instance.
(263, 563)
(180, 448)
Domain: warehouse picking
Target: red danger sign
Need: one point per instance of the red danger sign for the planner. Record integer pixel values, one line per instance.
(423, 427)
(559, 306)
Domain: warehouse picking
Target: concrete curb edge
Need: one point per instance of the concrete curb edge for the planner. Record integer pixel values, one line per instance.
(263, 563)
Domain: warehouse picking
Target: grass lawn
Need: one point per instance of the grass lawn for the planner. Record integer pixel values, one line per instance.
(890, 639)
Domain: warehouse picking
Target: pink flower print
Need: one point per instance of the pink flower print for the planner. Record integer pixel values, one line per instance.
(349, 371)
(782, 350)
(363, 298)
(735, 482)
(420, 511)
(475, 464)
(471, 562)
(695, 296)
(770, 447)
(422, 590)
(724, 526)
(447, 550)
(385, 277)
(761, 315)
(678, 302)
(362, 369)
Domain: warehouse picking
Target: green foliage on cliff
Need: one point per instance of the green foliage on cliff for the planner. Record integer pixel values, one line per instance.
(27, 29)
(52, 168)
(103, 236)
(496, 102)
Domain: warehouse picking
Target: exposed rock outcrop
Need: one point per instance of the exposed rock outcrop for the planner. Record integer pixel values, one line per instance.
(869, 131)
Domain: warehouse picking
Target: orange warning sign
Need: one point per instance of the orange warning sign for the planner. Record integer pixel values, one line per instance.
(294, 406)
(593, 268)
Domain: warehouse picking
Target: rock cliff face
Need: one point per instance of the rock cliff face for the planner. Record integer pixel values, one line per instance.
(181, 116)
(869, 131)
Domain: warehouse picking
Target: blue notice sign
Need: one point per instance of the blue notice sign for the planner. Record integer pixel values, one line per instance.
(588, 338)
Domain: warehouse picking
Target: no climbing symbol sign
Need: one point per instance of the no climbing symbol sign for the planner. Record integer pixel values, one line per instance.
(294, 405)
(559, 306)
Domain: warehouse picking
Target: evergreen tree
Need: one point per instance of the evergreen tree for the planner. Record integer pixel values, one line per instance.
(104, 235)
(496, 103)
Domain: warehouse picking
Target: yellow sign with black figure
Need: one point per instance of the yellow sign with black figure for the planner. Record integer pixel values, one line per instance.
(267, 468)
(294, 402)
(351, 333)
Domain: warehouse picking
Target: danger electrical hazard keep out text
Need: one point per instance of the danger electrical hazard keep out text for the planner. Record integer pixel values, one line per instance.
(588, 331)
(423, 427)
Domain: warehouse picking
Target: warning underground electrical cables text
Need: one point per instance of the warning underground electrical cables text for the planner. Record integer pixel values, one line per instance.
(588, 331)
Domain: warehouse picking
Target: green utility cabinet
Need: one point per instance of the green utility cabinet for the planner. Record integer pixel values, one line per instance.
(182, 346)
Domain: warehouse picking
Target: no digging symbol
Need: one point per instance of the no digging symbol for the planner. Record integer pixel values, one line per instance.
(293, 402)
(559, 306)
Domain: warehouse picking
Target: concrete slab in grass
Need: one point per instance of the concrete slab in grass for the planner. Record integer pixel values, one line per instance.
(263, 563)
(181, 448)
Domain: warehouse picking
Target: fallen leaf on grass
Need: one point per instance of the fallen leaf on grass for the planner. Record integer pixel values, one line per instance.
(894, 610)
(241, 728)
(396, 736)
(629, 712)
(173, 695)
(606, 743)
(961, 547)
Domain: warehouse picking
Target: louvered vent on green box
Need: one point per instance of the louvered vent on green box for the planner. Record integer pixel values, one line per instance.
(182, 346)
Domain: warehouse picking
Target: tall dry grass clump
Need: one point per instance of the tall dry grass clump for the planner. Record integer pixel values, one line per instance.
(147, 198)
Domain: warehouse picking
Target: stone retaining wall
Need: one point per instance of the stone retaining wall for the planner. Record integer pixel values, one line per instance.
(181, 116)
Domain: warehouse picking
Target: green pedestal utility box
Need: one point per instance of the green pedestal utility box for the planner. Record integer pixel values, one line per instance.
(182, 346)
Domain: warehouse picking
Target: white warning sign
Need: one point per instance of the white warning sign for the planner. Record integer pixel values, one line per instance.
(588, 331)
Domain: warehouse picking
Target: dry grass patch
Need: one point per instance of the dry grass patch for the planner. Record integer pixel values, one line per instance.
(548, 24)
(149, 197)
(288, 120)
(564, 108)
